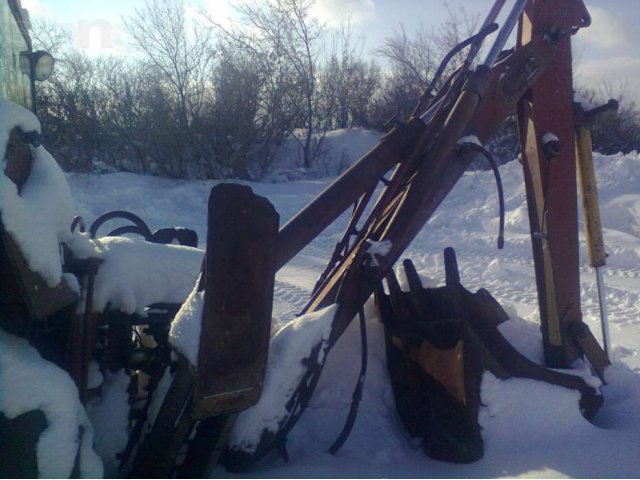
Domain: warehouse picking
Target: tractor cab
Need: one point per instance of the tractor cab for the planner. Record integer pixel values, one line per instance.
(20, 66)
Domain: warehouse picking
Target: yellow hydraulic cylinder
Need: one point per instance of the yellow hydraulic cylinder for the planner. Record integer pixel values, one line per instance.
(592, 222)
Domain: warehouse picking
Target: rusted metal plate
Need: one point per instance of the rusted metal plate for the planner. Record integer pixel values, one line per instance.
(40, 299)
(22, 289)
(18, 159)
(239, 277)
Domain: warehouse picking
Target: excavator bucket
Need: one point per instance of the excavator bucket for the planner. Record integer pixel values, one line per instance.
(439, 341)
(434, 373)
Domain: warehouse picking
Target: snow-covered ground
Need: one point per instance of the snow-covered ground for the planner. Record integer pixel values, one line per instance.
(529, 428)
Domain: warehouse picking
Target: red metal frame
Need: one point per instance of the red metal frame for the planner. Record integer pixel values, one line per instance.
(544, 115)
(535, 81)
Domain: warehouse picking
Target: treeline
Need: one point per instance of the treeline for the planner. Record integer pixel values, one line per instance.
(203, 100)
(613, 131)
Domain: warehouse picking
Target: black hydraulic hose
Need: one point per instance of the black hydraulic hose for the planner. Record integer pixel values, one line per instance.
(357, 392)
(142, 227)
(342, 247)
(496, 173)
(507, 27)
(78, 222)
(489, 29)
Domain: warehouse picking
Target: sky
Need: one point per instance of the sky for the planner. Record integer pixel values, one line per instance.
(607, 51)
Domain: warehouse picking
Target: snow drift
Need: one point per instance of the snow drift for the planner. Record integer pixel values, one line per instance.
(529, 429)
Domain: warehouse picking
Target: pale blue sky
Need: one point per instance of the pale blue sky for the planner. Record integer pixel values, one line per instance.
(608, 49)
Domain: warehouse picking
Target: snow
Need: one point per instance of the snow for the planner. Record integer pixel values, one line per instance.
(110, 413)
(40, 216)
(12, 115)
(184, 334)
(585, 103)
(44, 386)
(338, 149)
(529, 428)
(288, 348)
(136, 273)
(380, 249)
(549, 137)
(469, 139)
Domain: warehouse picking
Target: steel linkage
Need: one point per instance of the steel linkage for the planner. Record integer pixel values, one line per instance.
(426, 161)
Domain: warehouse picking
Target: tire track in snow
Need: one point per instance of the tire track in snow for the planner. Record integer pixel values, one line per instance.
(610, 271)
(288, 301)
(623, 300)
(622, 309)
(473, 263)
(621, 304)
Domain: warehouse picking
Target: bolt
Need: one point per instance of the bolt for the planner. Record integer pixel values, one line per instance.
(551, 146)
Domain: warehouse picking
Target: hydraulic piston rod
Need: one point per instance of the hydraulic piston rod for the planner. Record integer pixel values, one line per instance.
(491, 17)
(592, 224)
(504, 33)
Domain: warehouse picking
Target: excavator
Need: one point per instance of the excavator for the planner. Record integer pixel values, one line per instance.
(438, 341)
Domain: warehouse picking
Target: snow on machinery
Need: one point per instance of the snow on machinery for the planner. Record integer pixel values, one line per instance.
(428, 155)
(438, 340)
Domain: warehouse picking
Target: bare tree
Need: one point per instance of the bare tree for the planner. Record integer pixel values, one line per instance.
(234, 113)
(302, 35)
(284, 37)
(179, 110)
(180, 50)
(50, 36)
(247, 51)
(412, 61)
(615, 130)
(347, 82)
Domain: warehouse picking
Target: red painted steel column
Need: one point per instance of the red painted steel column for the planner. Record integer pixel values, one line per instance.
(545, 118)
